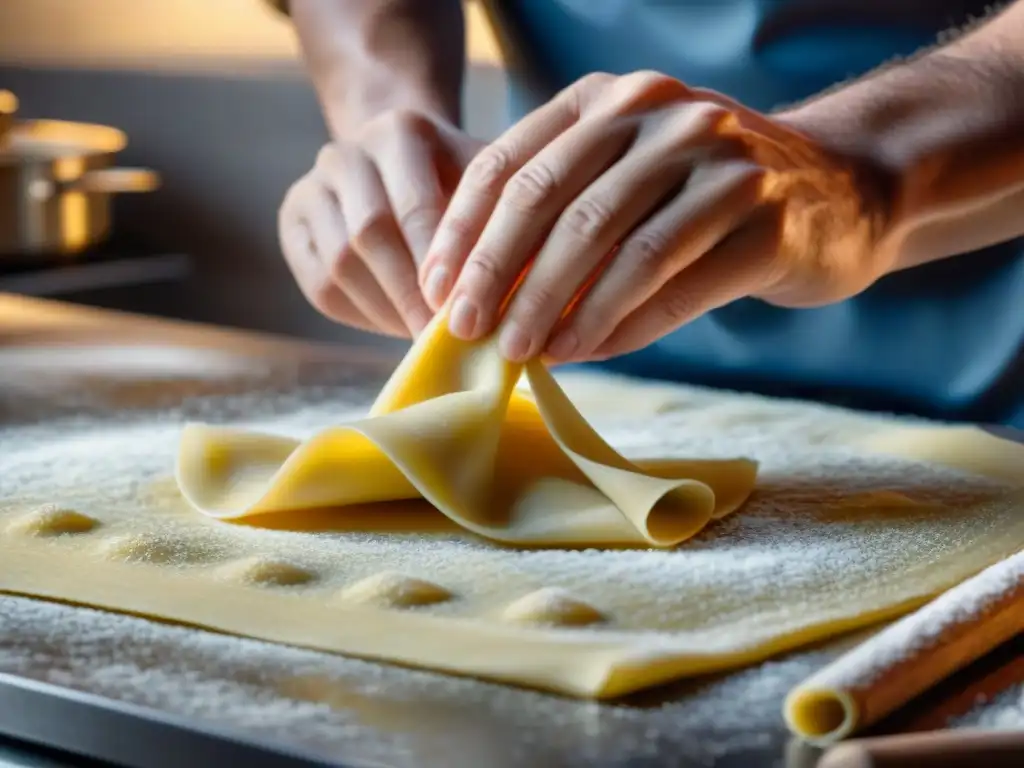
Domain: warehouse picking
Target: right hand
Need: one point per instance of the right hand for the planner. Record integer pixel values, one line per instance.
(355, 228)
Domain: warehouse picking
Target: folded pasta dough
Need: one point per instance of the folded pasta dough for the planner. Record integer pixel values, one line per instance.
(450, 427)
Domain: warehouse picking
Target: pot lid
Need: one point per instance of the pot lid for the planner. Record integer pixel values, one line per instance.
(42, 140)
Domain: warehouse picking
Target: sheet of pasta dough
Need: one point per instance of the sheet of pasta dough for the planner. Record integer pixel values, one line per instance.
(450, 427)
(854, 519)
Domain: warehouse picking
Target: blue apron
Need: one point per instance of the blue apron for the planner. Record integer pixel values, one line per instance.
(940, 340)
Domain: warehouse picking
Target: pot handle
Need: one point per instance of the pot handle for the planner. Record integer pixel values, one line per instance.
(116, 180)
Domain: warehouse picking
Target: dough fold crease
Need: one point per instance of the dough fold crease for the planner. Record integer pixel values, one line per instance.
(451, 428)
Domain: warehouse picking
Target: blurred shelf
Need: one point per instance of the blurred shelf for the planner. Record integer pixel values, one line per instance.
(72, 278)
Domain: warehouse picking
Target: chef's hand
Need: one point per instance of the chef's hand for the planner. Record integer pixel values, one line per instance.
(354, 228)
(654, 203)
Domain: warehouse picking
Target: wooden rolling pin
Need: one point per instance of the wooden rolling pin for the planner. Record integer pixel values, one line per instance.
(911, 655)
(936, 749)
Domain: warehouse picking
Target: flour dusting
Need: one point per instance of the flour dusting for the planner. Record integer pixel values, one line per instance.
(916, 634)
(1004, 712)
(112, 463)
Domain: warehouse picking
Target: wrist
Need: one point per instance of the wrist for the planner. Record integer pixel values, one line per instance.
(348, 110)
(367, 57)
(851, 148)
(941, 132)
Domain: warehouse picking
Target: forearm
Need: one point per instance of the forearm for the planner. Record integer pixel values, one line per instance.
(369, 56)
(947, 130)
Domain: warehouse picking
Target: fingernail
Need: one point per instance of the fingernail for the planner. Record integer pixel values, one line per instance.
(515, 344)
(564, 345)
(437, 286)
(463, 319)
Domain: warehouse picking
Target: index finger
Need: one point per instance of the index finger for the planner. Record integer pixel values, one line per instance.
(481, 186)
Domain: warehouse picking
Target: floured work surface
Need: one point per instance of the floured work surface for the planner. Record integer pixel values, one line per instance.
(834, 538)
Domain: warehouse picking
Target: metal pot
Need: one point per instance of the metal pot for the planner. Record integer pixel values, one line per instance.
(56, 182)
(8, 106)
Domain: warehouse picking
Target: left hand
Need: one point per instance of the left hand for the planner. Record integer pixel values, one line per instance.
(629, 206)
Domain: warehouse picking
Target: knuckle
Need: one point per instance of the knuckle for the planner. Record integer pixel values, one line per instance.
(488, 171)
(327, 156)
(597, 79)
(594, 83)
(527, 190)
(646, 85)
(484, 272)
(459, 226)
(708, 96)
(677, 307)
(536, 304)
(707, 115)
(649, 78)
(418, 211)
(696, 124)
(586, 91)
(646, 253)
(708, 112)
(587, 219)
(638, 91)
(457, 229)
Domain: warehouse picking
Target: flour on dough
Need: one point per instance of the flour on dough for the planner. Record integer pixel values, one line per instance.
(793, 566)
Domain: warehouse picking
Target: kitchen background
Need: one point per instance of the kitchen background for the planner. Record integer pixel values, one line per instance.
(213, 96)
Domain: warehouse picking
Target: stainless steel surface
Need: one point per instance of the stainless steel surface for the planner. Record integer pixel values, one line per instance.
(56, 183)
(18, 754)
(101, 729)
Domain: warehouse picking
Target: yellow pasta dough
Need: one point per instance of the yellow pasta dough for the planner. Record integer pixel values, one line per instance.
(809, 556)
(451, 427)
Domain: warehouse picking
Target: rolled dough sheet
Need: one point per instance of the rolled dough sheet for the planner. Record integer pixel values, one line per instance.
(451, 427)
(835, 537)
